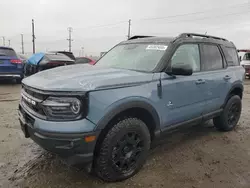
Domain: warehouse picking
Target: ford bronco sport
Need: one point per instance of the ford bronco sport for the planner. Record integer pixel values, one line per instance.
(108, 115)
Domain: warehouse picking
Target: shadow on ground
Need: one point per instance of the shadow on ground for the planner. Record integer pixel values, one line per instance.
(4, 82)
(53, 171)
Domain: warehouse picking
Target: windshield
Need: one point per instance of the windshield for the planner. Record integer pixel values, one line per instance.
(7, 52)
(140, 57)
(246, 56)
(82, 60)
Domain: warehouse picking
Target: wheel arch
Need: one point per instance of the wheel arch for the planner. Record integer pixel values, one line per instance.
(124, 106)
(236, 89)
(123, 109)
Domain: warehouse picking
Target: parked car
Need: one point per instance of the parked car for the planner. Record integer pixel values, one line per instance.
(22, 57)
(69, 54)
(85, 60)
(245, 60)
(11, 66)
(43, 61)
(108, 115)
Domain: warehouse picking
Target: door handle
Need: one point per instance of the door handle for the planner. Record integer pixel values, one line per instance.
(200, 81)
(227, 77)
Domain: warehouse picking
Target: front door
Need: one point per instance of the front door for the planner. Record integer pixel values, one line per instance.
(183, 97)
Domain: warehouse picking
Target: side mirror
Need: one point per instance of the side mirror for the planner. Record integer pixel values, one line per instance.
(182, 69)
(240, 58)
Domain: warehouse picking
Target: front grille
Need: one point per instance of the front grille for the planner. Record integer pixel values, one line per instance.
(32, 100)
(26, 116)
(34, 108)
(38, 109)
(34, 94)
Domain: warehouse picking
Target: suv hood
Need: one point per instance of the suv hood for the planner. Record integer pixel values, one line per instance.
(85, 78)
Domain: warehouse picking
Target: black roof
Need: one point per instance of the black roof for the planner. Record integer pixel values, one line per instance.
(150, 39)
(191, 37)
(5, 47)
(57, 57)
(67, 53)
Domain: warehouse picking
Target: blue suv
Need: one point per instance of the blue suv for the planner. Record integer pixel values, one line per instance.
(108, 115)
(11, 67)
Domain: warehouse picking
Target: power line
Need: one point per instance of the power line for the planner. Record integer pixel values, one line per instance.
(192, 13)
(106, 25)
(207, 18)
(70, 29)
(167, 17)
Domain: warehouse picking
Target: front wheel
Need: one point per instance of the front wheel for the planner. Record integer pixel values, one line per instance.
(123, 150)
(230, 116)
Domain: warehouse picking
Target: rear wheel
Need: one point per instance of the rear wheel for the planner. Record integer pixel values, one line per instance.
(123, 150)
(230, 116)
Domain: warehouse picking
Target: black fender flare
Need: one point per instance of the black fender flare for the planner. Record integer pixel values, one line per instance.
(235, 85)
(103, 122)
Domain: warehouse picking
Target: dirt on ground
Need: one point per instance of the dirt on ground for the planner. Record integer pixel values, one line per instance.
(197, 157)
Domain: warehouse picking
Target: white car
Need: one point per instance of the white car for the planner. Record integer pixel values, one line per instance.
(245, 60)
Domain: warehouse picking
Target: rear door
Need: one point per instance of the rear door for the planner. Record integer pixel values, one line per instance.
(9, 62)
(216, 76)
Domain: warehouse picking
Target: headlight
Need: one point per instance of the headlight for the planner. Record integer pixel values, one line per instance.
(63, 108)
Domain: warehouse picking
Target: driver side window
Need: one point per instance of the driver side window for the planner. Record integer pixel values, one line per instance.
(187, 54)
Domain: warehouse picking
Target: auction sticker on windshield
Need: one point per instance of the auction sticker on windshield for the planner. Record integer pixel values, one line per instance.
(156, 47)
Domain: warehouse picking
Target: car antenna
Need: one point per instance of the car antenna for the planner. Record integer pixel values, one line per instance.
(159, 88)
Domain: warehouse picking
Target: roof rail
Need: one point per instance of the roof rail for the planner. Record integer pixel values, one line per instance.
(138, 36)
(184, 35)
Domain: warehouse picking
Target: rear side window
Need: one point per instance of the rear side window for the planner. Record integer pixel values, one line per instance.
(231, 56)
(7, 52)
(212, 57)
(246, 56)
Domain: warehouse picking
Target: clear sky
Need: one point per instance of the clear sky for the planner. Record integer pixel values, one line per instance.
(98, 24)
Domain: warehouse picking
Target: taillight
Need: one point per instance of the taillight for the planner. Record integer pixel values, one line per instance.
(16, 61)
(92, 62)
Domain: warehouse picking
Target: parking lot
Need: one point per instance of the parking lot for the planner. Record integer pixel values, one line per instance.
(198, 157)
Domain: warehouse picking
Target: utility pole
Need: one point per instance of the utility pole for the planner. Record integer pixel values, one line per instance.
(22, 43)
(3, 41)
(82, 51)
(70, 29)
(9, 42)
(33, 36)
(129, 28)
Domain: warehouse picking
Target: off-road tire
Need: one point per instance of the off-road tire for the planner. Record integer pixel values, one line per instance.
(223, 122)
(105, 166)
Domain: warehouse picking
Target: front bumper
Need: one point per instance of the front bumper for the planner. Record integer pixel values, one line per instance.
(10, 75)
(67, 144)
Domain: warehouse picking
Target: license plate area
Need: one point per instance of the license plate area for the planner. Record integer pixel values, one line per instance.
(24, 128)
(25, 121)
